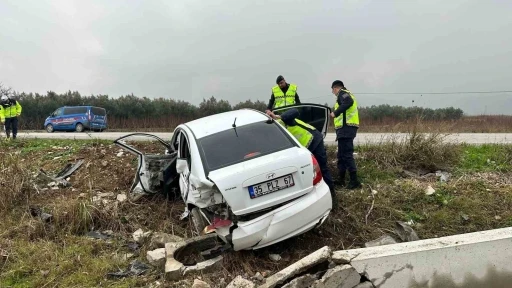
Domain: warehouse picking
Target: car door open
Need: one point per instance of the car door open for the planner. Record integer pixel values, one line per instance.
(313, 114)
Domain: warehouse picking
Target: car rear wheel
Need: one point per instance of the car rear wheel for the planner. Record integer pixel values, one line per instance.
(198, 220)
(49, 128)
(79, 127)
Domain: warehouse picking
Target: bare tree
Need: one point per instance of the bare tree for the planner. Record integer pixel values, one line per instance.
(7, 91)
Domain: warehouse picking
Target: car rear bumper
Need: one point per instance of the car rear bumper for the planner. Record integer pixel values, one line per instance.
(284, 222)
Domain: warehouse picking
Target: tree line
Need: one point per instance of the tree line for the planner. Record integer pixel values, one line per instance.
(130, 111)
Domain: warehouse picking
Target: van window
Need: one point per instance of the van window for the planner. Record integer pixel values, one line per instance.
(98, 111)
(75, 110)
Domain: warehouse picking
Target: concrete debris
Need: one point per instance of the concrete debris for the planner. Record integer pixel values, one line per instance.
(140, 235)
(200, 284)
(366, 284)
(121, 198)
(374, 192)
(258, 277)
(173, 267)
(305, 281)
(405, 232)
(104, 163)
(106, 195)
(204, 267)
(497, 217)
(430, 191)
(120, 154)
(342, 257)
(465, 217)
(443, 176)
(340, 277)
(383, 240)
(44, 273)
(159, 239)
(156, 257)
(136, 268)
(317, 257)
(240, 282)
(275, 257)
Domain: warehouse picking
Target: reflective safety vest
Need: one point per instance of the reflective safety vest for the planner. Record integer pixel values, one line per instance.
(10, 111)
(352, 114)
(282, 99)
(301, 131)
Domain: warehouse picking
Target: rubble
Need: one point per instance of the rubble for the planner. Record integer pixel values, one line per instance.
(340, 277)
(302, 282)
(159, 239)
(258, 277)
(383, 240)
(275, 257)
(60, 180)
(430, 191)
(200, 284)
(240, 282)
(204, 267)
(405, 232)
(366, 284)
(139, 235)
(156, 257)
(121, 198)
(38, 212)
(317, 257)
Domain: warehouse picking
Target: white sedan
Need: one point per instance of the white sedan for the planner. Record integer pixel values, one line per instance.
(242, 176)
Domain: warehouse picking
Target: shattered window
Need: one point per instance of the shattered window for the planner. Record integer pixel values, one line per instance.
(241, 144)
(98, 111)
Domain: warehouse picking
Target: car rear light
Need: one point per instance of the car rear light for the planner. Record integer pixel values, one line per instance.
(317, 173)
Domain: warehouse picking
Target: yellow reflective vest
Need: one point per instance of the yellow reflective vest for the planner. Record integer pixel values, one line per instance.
(282, 99)
(300, 132)
(10, 111)
(352, 114)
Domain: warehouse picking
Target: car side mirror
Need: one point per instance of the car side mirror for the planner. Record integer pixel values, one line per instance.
(181, 165)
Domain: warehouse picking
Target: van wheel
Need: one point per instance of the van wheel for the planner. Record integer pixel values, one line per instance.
(49, 128)
(79, 127)
(198, 221)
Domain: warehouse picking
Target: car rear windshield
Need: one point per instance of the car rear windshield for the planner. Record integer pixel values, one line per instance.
(241, 144)
(98, 111)
(75, 110)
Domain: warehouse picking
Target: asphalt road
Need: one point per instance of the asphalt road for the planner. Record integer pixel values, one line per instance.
(362, 138)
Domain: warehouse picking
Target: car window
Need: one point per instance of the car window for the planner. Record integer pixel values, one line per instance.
(184, 149)
(57, 112)
(98, 111)
(243, 143)
(75, 110)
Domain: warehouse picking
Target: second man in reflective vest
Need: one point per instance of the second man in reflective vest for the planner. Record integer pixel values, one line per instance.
(283, 94)
(346, 123)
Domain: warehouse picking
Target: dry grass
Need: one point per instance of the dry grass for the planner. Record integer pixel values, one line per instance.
(57, 253)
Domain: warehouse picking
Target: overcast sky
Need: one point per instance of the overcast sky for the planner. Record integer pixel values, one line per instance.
(235, 49)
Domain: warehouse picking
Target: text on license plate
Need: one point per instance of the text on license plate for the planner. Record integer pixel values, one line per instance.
(271, 186)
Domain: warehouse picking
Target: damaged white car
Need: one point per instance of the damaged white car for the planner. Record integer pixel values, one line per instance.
(241, 175)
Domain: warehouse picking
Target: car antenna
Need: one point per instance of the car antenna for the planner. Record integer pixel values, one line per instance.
(234, 127)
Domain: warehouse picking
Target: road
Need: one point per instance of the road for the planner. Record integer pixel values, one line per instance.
(362, 138)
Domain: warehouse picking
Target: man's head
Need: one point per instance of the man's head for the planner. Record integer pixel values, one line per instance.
(281, 82)
(337, 86)
(4, 100)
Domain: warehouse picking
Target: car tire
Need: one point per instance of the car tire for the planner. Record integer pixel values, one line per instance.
(49, 128)
(79, 127)
(198, 221)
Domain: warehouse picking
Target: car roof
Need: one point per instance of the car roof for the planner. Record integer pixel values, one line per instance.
(209, 125)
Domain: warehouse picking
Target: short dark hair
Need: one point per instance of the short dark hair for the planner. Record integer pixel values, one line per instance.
(337, 83)
(279, 78)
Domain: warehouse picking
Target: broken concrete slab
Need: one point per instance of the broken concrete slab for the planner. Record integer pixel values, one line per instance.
(200, 284)
(121, 197)
(339, 277)
(313, 259)
(302, 282)
(240, 282)
(366, 284)
(140, 235)
(275, 257)
(204, 267)
(156, 257)
(430, 191)
(405, 232)
(383, 240)
(342, 257)
(159, 239)
(173, 267)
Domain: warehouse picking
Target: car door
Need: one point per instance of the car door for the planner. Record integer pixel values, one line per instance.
(184, 157)
(314, 114)
(56, 119)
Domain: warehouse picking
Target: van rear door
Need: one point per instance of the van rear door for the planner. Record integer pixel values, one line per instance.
(98, 118)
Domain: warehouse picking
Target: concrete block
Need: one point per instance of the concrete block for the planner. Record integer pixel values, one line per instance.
(302, 265)
(305, 281)
(200, 284)
(156, 257)
(205, 266)
(365, 285)
(159, 239)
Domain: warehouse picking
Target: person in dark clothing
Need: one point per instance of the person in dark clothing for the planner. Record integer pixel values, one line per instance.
(346, 123)
(313, 140)
(283, 94)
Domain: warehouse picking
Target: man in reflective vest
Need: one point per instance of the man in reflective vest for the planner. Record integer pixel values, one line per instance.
(10, 109)
(346, 123)
(310, 138)
(283, 94)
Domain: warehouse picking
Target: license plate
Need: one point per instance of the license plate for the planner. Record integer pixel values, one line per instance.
(273, 185)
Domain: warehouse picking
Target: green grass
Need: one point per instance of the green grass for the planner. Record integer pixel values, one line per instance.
(486, 158)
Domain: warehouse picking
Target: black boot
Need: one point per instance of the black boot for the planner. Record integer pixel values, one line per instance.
(334, 198)
(354, 183)
(341, 182)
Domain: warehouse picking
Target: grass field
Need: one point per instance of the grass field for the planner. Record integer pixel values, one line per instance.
(478, 196)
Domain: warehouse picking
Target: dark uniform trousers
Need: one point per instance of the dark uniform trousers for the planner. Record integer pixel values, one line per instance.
(11, 124)
(345, 136)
